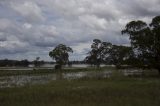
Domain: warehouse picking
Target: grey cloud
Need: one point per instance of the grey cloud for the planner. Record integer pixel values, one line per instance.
(33, 27)
(139, 8)
(12, 47)
(30, 11)
(2, 37)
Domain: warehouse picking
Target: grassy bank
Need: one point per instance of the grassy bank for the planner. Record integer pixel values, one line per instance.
(86, 92)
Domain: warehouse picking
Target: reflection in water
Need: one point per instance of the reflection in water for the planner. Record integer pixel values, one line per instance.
(21, 80)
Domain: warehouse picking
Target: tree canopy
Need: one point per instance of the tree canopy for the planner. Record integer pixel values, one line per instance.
(145, 41)
(61, 54)
(105, 52)
(97, 53)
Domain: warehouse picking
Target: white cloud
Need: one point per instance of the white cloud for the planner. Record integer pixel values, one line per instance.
(5, 23)
(27, 25)
(29, 10)
(93, 21)
(12, 47)
(36, 26)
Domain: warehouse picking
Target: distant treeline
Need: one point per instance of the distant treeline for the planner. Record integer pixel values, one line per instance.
(77, 62)
(11, 63)
(20, 63)
(26, 63)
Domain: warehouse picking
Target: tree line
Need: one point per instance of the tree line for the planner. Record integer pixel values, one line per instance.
(144, 49)
(105, 52)
(21, 63)
(11, 63)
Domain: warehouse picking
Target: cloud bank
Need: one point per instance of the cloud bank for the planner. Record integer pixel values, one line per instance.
(31, 28)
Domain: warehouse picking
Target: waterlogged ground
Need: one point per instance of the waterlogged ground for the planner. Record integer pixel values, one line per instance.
(50, 66)
(22, 80)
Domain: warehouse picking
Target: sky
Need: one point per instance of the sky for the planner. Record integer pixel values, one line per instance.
(32, 28)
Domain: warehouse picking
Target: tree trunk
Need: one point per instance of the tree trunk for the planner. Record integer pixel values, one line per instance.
(159, 71)
(98, 65)
(58, 66)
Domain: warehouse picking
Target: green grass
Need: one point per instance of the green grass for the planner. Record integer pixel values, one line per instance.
(86, 92)
(115, 91)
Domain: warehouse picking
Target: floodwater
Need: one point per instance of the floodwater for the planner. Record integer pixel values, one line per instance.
(52, 65)
(49, 66)
(22, 80)
(73, 65)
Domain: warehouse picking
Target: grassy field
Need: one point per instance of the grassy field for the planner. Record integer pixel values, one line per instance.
(120, 91)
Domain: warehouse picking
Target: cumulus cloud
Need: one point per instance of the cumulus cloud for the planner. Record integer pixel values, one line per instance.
(2, 37)
(5, 23)
(93, 22)
(30, 28)
(29, 10)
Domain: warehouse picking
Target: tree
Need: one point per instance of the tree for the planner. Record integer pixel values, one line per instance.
(105, 52)
(37, 62)
(155, 25)
(60, 54)
(98, 52)
(24, 63)
(119, 55)
(145, 41)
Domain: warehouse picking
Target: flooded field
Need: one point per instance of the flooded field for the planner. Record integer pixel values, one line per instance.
(22, 80)
(50, 66)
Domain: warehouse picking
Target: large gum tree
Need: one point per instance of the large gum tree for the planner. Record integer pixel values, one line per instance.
(61, 54)
(145, 41)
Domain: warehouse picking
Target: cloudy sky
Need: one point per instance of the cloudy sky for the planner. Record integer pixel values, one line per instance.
(31, 28)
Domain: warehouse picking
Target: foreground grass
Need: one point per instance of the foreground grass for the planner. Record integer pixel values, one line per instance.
(86, 92)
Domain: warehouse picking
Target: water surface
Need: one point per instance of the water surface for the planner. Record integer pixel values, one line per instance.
(21, 80)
